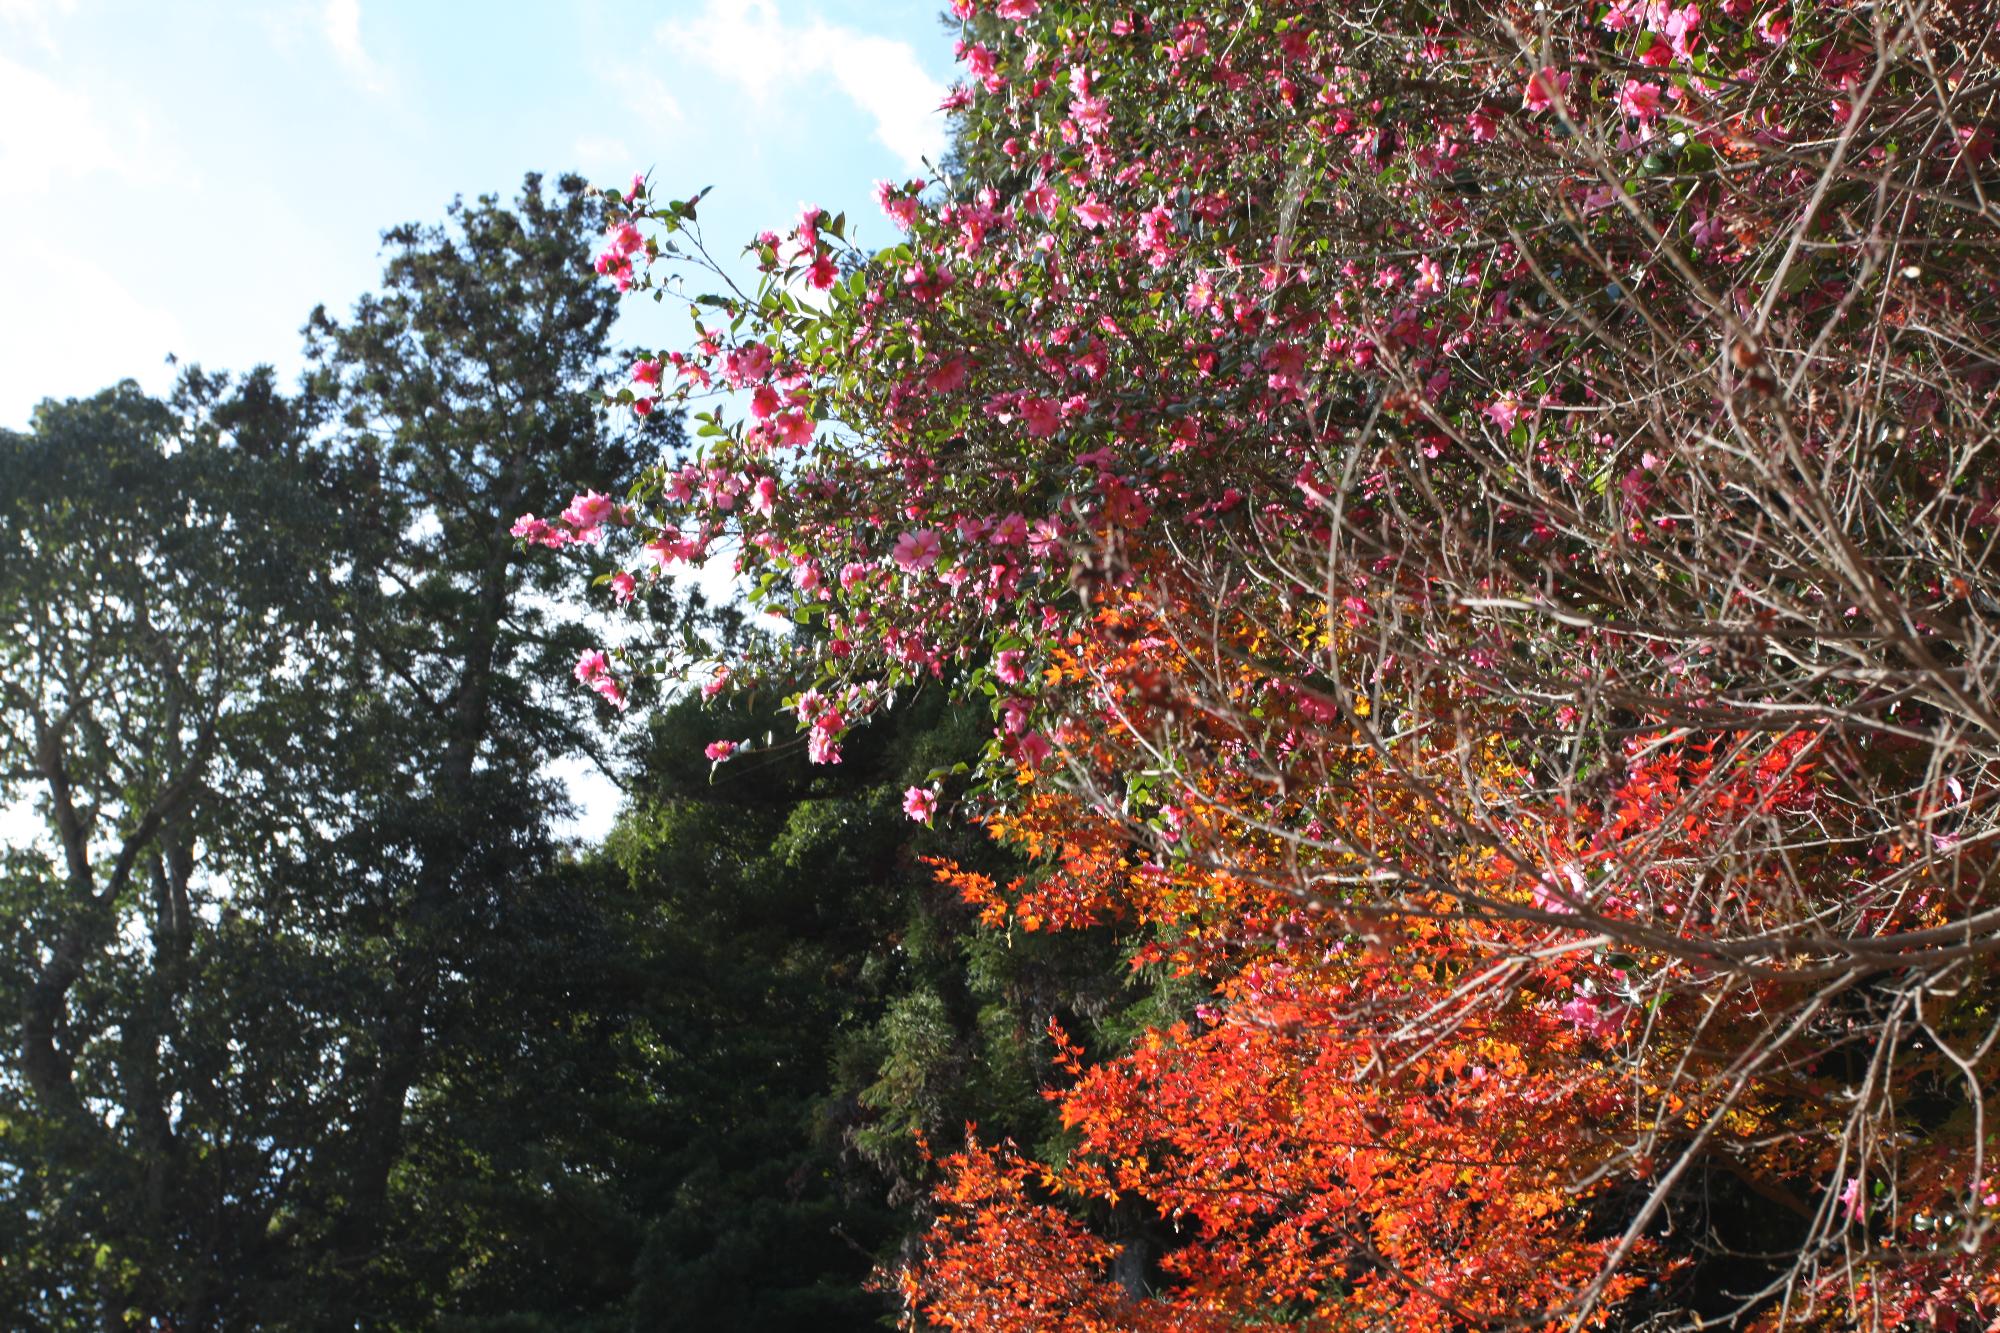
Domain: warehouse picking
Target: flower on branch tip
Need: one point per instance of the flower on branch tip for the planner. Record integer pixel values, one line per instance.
(719, 751)
(920, 803)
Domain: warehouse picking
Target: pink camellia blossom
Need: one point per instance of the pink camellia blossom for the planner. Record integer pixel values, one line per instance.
(1046, 539)
(540, 532)
(822, 273)
(1560, 898)
(1007, 666)
(716, 684)
(647, 371)
(947, 375)
(1010, 531)
(590, 511)
(1017, 9)
(764, 496)
(1092, 213)
(1014, 715)
(623, 586)
(1544, 86)
(1032, 748)
(1503, 412)
(608, 689)
(1641, 101)
(1041, 416)
(643, 407)
(745, 365)
(1092, 115)
(593, 669)
(1285, 362)
(822, 747)
(920, 803)
(719, 751)
(1592, 1017)
(918, 550)
(901, 208)
(794, 429)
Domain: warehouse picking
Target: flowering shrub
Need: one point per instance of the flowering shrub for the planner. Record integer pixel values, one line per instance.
(1487, 515)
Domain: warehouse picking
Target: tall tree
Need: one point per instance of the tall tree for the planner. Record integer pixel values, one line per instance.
(271, 677)
(167, 581)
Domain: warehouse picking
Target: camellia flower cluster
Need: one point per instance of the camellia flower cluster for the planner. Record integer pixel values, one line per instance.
(1475, 528)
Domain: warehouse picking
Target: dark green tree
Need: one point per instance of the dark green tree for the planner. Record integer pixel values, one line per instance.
(298, 976)
(166, 581)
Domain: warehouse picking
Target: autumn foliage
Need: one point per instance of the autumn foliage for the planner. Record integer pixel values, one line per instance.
(1474, 525)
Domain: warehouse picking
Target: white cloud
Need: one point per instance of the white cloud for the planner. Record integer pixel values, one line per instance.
(654, 107)
(598, 155)
(89, 329)
(50, 131)
(750, 42)
(32, 17)
(340, 21)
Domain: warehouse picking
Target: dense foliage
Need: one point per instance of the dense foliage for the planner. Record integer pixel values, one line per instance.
(1472, 528)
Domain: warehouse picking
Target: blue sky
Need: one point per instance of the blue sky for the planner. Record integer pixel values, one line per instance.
(194, 177)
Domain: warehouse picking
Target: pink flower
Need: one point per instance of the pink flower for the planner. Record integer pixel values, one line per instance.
(539, 531)
(822, 273)
(1007, 666)
(1592, 1017)
(1032, 749)
(1041, 416)
(1010, 531)
(718, 751)
(947, 375)
(1014, 715)
(747, 364)
(1543, 88)
(590, 664)
(822, 747)
(716, 683)
(1549, 895)
(646, 372)
(610, 691)
(920, 804)
(795, 428)
(901, 208)
(624, 587)
(918, 550)
(589, 512)
(1092, 213)
(1017, 9)
(643, 407)
(1092, 115)
(764, 496)
(593, 669)
(1503, 412)
(1285, 362)
(1774, 28)
(1641, 101)
(1850, 1199)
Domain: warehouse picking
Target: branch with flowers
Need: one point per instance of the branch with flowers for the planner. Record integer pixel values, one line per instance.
(1475, 530)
